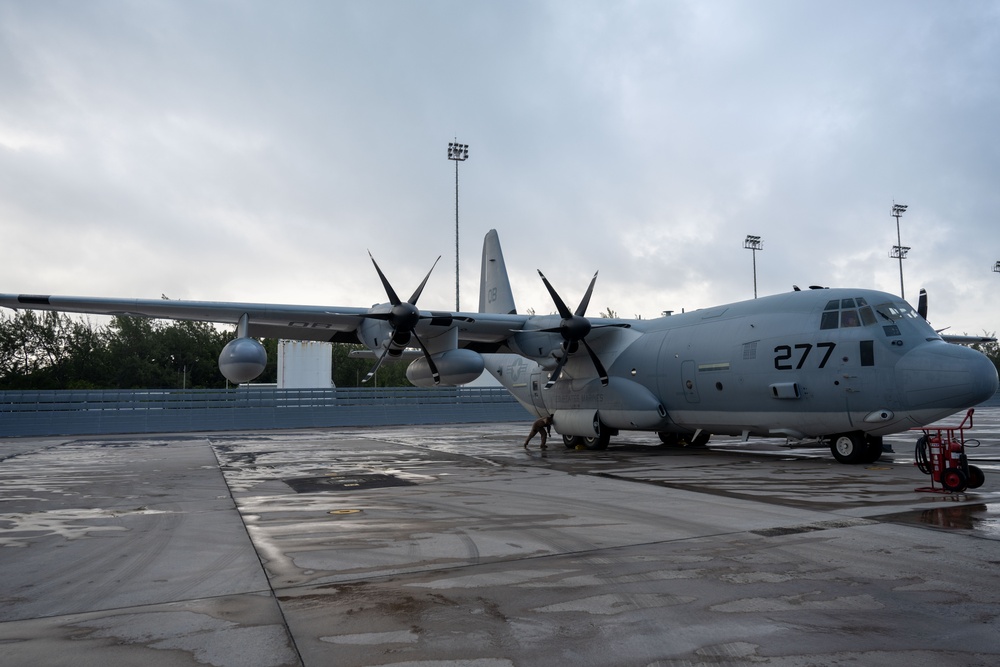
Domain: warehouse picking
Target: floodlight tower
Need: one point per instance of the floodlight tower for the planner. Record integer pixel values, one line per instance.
(458, 153)
(899, 250)
(753, 243)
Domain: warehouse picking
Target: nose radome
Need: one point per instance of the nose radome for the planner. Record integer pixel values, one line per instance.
(943, 375)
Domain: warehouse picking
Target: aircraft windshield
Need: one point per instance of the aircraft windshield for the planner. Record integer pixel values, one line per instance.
(844, 313)
(896, 311)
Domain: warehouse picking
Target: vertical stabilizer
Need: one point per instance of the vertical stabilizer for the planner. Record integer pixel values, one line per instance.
(494, 286)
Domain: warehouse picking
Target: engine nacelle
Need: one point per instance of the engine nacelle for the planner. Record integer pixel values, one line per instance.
(455, 367)
(242, 360)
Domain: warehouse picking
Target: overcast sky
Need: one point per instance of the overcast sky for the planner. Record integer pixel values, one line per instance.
(255, 151)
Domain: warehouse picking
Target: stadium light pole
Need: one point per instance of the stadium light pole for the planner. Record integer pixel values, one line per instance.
(753, 243)
(458, 153)
(899, 250)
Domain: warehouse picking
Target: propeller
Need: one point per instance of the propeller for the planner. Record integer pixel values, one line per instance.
(403, 318)
(922, 303)
(574, 328)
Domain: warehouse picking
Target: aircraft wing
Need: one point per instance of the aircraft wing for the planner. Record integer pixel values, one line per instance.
(967, 340)
(294, 322)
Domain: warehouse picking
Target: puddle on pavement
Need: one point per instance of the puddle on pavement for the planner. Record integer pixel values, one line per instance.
(981, 518)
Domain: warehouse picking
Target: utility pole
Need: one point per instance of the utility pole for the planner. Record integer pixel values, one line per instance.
(458, 153)
(899, 250)
(753, 243)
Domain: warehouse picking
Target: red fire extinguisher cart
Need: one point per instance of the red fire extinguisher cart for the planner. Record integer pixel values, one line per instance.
(940, 453)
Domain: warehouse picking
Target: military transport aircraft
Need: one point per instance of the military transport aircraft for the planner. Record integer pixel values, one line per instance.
(844, 365)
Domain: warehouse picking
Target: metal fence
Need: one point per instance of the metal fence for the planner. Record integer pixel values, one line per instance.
(41, 413)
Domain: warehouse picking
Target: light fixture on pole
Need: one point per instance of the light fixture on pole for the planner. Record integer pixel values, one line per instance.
(996, 268)
(753, 243)
(458, 153)
(899, 250)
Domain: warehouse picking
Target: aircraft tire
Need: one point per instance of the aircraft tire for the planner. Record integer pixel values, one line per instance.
(976, 477)
(954, 480)
(873, 451)
(701, 439)
(599, 442)
(670, 439)
(849, 447)
(571, 441)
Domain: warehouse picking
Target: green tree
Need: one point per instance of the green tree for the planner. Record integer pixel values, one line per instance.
(350, 371)
(47, 350)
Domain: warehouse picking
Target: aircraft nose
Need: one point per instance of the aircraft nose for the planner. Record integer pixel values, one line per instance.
(943, 375)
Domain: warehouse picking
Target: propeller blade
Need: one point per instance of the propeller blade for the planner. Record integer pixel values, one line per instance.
(420, 288)
(601, 372)
(922, 304)
(391, 293)
(430, 362)
(582, 309)
(557, 371)
(564, 312)
(378, 362)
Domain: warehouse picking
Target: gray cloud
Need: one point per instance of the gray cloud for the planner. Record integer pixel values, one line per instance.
(255, 151)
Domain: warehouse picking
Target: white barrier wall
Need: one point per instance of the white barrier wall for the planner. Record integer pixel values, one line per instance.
(305, 364)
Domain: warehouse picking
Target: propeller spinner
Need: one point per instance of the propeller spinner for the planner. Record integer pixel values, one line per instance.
(574, 329)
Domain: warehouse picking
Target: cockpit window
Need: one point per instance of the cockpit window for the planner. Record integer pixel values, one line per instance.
(847, 313)
(891, 313)
(896, 311)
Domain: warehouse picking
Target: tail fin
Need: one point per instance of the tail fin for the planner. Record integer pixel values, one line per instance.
(494, 286)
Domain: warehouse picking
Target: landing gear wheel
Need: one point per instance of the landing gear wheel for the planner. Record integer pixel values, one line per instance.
(849, 447)
(571, 441)
(954, 480)
(599, 442)
(873, 451)
(670, 439)
(976, 477)
(701, 439)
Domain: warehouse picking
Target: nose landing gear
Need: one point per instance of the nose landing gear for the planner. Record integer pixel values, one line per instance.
(855, 447)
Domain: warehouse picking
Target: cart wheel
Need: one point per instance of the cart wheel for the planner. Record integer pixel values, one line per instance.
(976, 477)
(954, 480)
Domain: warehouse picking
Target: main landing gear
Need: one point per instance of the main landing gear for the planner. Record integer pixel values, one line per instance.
(595, 443)
(856, 447)
(698, 439)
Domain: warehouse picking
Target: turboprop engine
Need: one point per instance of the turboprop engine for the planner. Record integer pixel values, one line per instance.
(242, 360)
(454, 367)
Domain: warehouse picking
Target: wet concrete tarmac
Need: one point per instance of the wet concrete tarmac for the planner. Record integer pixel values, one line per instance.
(442, 546)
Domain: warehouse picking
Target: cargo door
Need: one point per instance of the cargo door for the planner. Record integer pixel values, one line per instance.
(535, 383)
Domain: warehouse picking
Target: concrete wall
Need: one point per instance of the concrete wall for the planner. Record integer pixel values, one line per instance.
(43, 413)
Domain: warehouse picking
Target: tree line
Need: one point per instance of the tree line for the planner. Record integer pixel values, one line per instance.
(49, 350)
